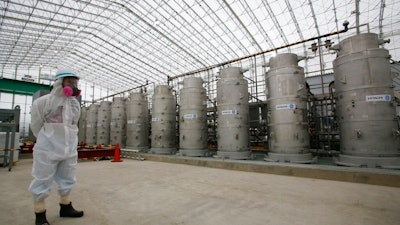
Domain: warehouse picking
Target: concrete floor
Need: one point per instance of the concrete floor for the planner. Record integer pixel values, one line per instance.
(158, 193)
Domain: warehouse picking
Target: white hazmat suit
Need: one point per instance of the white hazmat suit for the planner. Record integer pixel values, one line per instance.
(54, 123)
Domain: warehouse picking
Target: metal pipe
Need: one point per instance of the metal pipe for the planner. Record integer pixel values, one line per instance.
(345, 24)
(93, 94)
(255, 76)
(321, 66)
(358, 16)
(99, 99)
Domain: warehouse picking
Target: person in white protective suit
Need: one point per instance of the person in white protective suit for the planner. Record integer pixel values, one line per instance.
(54, 122)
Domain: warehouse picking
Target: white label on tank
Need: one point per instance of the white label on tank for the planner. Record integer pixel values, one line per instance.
(378, 98)
(285, 106)
(190, 116)
(131, 121)
(229, 112)
(155, 119)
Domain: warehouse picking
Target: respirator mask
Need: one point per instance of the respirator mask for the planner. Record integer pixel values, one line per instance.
(71, 90)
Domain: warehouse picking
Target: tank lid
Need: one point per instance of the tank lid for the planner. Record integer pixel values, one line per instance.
(118, 99)
(195, 82)
(162, 89)
(283, 60)
(136, 96)
(357, 43)
(231, 72)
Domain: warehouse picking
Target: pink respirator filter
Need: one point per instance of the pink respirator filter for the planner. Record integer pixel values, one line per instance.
(68, 91)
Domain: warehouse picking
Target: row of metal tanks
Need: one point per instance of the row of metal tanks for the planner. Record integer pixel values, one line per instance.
(365, 112)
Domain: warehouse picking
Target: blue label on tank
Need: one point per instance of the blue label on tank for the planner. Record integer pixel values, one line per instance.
(378, 98)
(190, 116)
(131, 121)
(285, 106)
(229, 112)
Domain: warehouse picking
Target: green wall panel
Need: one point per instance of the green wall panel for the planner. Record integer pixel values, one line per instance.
(20, 87)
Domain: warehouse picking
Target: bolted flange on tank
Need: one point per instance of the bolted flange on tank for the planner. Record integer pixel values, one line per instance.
(369, 132)
(193, 118)
(233, 115)
(287, 104)
(103, 123)
(163, 121)
(118, 122)
(91, 124)
(82, 125)
(137, 122)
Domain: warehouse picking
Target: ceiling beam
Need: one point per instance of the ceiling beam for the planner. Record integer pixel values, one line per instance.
(244, 27)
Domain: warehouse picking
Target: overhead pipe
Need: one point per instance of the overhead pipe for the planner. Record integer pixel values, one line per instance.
(141, 86)
(345, 24)
(358, 16)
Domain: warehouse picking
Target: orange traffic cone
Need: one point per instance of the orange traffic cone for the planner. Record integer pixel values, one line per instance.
(117, 154)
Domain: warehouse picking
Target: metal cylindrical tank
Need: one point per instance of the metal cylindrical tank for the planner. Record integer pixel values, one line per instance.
(82, 125)
(193, 118)
(103, 123)
(137, 122)
(365, 109)
(288, 138)
(163, 121)
(233, 114)
(91, 123)
(118, 122)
